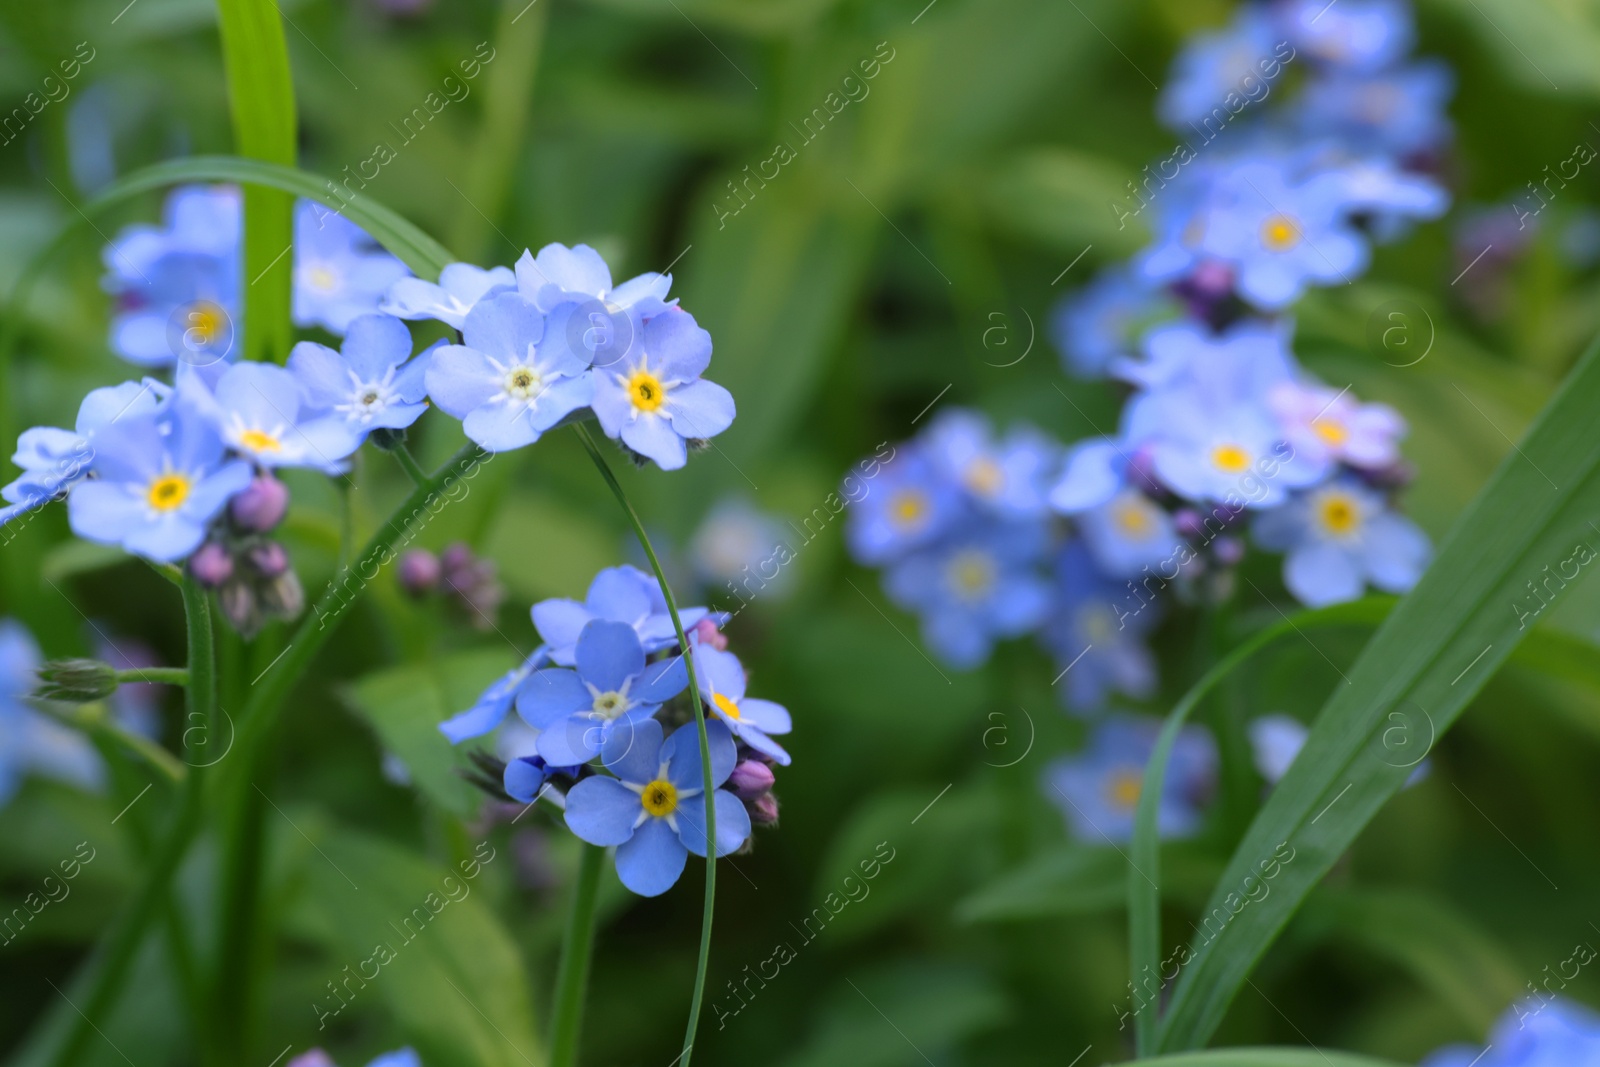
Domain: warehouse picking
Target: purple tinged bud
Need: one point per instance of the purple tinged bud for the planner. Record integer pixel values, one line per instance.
(240, 607)
(211, 565)
(269, 559)
(763, 810)
(707, 633)
(456, 558)
(1188, 523)
(261, 505)
(1229, 550)
(750, 780)
(420, 571)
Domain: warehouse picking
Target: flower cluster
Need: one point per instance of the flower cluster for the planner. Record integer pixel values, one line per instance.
(605, 686)
(1224, 437)
(1552, 1032)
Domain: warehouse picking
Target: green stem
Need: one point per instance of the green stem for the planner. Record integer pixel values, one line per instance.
(409, 463)
(94, 721)
(700, 727)
(99, 989)
(577, 947)
(158, 675)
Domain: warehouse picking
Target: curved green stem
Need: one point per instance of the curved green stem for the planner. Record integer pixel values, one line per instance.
(1144, 874)
(103, 983)
(93, 720)
(700, 727)
(157, 675)
(577, 947)
(409, 464)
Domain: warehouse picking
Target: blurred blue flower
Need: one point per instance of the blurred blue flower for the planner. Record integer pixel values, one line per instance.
(1401, 111)
(158, 482)
(978, 585)
(1361, 35)
(907, 507)
(1340, 536)
(736, 539)
(1214, 66)
(652, 396)
(262, 413)
(460, 287)
(620, 594)
(495, 701)
(1096, 633)
(1327, 426)
(1242, 362)
(654, 810)
(1532, 1033)
(367, 384)
(29, 739)
(1388, 198)
(504, 385)
(53, 459)
(177, 286)
(1102, 321)
(1202, 451)
(722, 681)
(1098, 789)
(1008, 478)
(1275, 741)
(1128, 533)
(612, 688)
(340, 272)
(403, 1057)
(561, 275)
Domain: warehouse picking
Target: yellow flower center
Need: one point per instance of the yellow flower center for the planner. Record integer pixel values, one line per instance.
(660, 798)
(726, 706)
(985, 477)
(523, 382)
(1124, 787)
(1333, 434)
(1096, 622)
(646, 390)
(1133, 518)
(1279, 233)
(205, 323)
(610, 705)
(1230, 458)
(908, 509)
(1339, 513)
(971, 573)
(168, 492)
(260, 441)
(320, 277)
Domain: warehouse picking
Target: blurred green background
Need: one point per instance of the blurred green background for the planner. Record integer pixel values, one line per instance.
(913, 249)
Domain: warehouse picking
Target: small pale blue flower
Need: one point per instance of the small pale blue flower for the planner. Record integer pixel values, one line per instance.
(262, 413)
(1535, 1031)
(737, 540)
(561, 275)
(1400, 112)
(340, 272)
(1358, 34)
(722, 682)
(368, 384)
(1217, 72)
(1096, 632)
(1098, 789)
(908, 505)
(1008, 478)
(460, 287)
(1339, 537)
(1102, 321)
(654, 810)
(611, 689)
(619, 594)
(652, 396)
(492, 706)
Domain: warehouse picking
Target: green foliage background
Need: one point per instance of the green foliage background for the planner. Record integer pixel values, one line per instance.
(915, 246)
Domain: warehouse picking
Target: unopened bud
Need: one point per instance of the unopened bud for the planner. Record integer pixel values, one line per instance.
(1188, 523)
(211, 565)
(751, 779)
(284, 596)
(419, 572)
(387, 438)
(76, 681)
(239, 606)
(1228, 550)
(763, 810)
(706, 632)
(261, 505)
(269, 559)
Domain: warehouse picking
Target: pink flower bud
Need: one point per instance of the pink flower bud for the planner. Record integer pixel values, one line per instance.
(269, 560)
(763, 810)
(751, 779)
(420, 571)
(261, 505)
(211, 565)
(707, 633)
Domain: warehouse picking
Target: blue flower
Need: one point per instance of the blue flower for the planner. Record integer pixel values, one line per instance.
(460, 287)
(654, 810)
(721, 679)
(1008, 478)
(910, 505)
(403, 1057)
(505, 386)
(1388, 198)
(491, 707)
(1215, 67)
(1340, 536)
(1275, 741)
(652, 396)
(612, 688)
(1533, 1032)
(737, 538)
(1096, 632)
(1328, 426)
(177, 287)
(1101, 321)
(977, 586)
(620, 594)
(339, 271)
(158, 482)
(366, 385)
(29, 739)
(1098, 789)
(1358, 34)
(1246, 360)
(1129, 533)
(1400, 111)
(53, 459)
(561, 275)
(262, 413)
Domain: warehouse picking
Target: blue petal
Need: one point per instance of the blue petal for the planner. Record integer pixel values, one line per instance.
(549, 695)
(682, 755)
(375, 344)
(523, 779)
(654, 438)
(602, 810)
(633, 750)
(661, 681)
(733, 823)
(571, 740)
(608, 654)
(700, 409)
(652, 861)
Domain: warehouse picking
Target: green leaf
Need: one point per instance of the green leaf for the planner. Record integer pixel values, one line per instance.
(1543, 45)
(261, 96)
(1434, 652)
(1079, 880)
(450, 976)
(405, 706)
(1262, 1057)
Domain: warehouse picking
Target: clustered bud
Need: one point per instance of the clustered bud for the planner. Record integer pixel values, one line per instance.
(469, 580)
(252, 573)
(751, 781)
(76, 681)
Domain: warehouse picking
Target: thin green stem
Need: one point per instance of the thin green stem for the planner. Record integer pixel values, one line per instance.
(158, 675)
(98, 991)
(93, 720)
(700, 727)
(409, 463)
(577, 948)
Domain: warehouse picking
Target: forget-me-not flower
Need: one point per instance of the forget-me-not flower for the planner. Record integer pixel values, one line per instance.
(502, 382)
(340, 272)
(612, 688)
(561, 275)
(460, 287)
(1007, 477)
(722, 682)
(1098, 789)
(1400, 111)
(1533, 1032)
(1101, 321)
(1214, 66)
(654, 810)
(1096, 632)
(495, 702)
(652, 396)
(907, 506)
(1340, 536)
(159, 481)
(262, 412)
(1328, 426)
(1128, 533)
(1357, 34)
(620, 594)
(368, 384)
